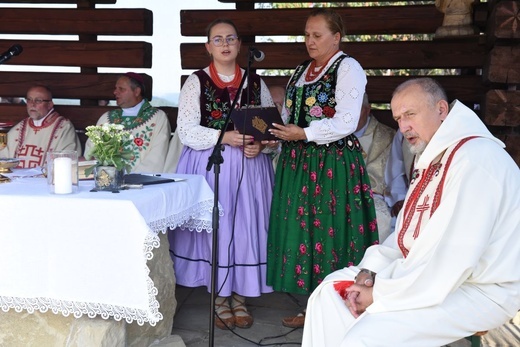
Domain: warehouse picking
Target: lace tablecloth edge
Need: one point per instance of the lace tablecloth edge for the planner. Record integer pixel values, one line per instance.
(79, 309)
(188, 219)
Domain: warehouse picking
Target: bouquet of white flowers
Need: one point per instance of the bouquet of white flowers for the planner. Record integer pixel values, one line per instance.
(112, 146)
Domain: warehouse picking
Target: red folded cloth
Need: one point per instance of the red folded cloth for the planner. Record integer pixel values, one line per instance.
(341, 288)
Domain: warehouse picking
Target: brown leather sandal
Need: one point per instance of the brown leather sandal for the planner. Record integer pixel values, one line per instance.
(224, 318)
(294, 321)
(243, 318)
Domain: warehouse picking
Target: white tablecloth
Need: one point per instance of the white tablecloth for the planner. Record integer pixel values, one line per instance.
(86, 253)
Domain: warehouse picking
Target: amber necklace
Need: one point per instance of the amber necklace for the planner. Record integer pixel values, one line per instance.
(221, 84)
(312, 73)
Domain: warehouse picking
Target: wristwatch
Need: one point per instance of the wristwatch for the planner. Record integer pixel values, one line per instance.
(366, 271)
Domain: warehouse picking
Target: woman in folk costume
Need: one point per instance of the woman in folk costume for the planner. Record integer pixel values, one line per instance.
(247, 176)
(322, 215)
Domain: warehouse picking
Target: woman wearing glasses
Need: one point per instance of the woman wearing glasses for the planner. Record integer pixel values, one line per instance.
(246, 179)
(44, 130)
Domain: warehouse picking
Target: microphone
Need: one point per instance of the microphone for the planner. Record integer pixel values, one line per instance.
(257, 54)
(11, 52)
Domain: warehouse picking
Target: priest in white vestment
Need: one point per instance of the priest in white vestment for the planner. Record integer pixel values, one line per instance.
(149, 125)
(397, 175)
(376, 141)
(43, 131)
(450, 269)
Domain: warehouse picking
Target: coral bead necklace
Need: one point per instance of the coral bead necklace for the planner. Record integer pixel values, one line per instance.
(313, 71)
(221, 84)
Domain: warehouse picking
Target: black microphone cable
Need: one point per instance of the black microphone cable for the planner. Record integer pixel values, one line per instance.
(231, 242)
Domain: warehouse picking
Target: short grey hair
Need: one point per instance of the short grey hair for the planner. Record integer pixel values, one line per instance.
(431, 88)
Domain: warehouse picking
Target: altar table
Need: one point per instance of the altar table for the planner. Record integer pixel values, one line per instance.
(86, 253)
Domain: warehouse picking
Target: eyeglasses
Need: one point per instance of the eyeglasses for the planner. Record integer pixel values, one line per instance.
(219, 40)
(35, 101)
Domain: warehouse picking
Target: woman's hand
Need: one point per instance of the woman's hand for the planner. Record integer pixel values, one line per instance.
(236, 139)
(273, 144)
(252, 150)
(289, 132)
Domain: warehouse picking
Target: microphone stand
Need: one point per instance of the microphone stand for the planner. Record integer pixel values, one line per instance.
(215, 160)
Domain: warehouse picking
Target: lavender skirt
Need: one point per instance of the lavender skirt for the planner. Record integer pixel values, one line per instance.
(245, 192)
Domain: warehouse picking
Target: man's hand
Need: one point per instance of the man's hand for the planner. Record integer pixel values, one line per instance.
(396, 208)
(365, 279)
(359, 297)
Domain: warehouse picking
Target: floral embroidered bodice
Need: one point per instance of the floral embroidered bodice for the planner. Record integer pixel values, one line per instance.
(315, 100)
(215, 103)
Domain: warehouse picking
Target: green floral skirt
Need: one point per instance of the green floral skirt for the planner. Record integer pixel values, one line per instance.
(322, 215)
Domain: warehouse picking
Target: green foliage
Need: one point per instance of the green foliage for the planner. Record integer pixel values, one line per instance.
(347, 4)
(365, 38)
(112, 146)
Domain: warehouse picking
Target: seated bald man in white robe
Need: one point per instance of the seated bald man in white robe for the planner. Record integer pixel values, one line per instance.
(450, 269)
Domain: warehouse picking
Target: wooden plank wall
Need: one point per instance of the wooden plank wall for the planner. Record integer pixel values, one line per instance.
(487, 62)
(83, 51)
(468, 53)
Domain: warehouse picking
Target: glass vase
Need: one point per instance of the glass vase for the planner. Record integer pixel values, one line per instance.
(108, 178)
(61, 169)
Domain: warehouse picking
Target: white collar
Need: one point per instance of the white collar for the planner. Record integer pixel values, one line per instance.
(39, 122)
(133, 111)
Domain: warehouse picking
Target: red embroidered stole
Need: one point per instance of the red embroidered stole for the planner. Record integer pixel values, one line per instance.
(32, 155)
(419, 201)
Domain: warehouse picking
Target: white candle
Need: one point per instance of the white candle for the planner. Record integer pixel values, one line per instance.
(62, 175)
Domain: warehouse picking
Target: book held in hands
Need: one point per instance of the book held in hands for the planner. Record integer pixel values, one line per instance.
(256, 121)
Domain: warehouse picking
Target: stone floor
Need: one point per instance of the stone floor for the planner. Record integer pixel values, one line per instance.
(192, 320)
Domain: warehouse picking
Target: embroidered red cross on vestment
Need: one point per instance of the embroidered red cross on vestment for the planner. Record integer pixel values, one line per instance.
(33, 156)
(421, 209)
(411, 203)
